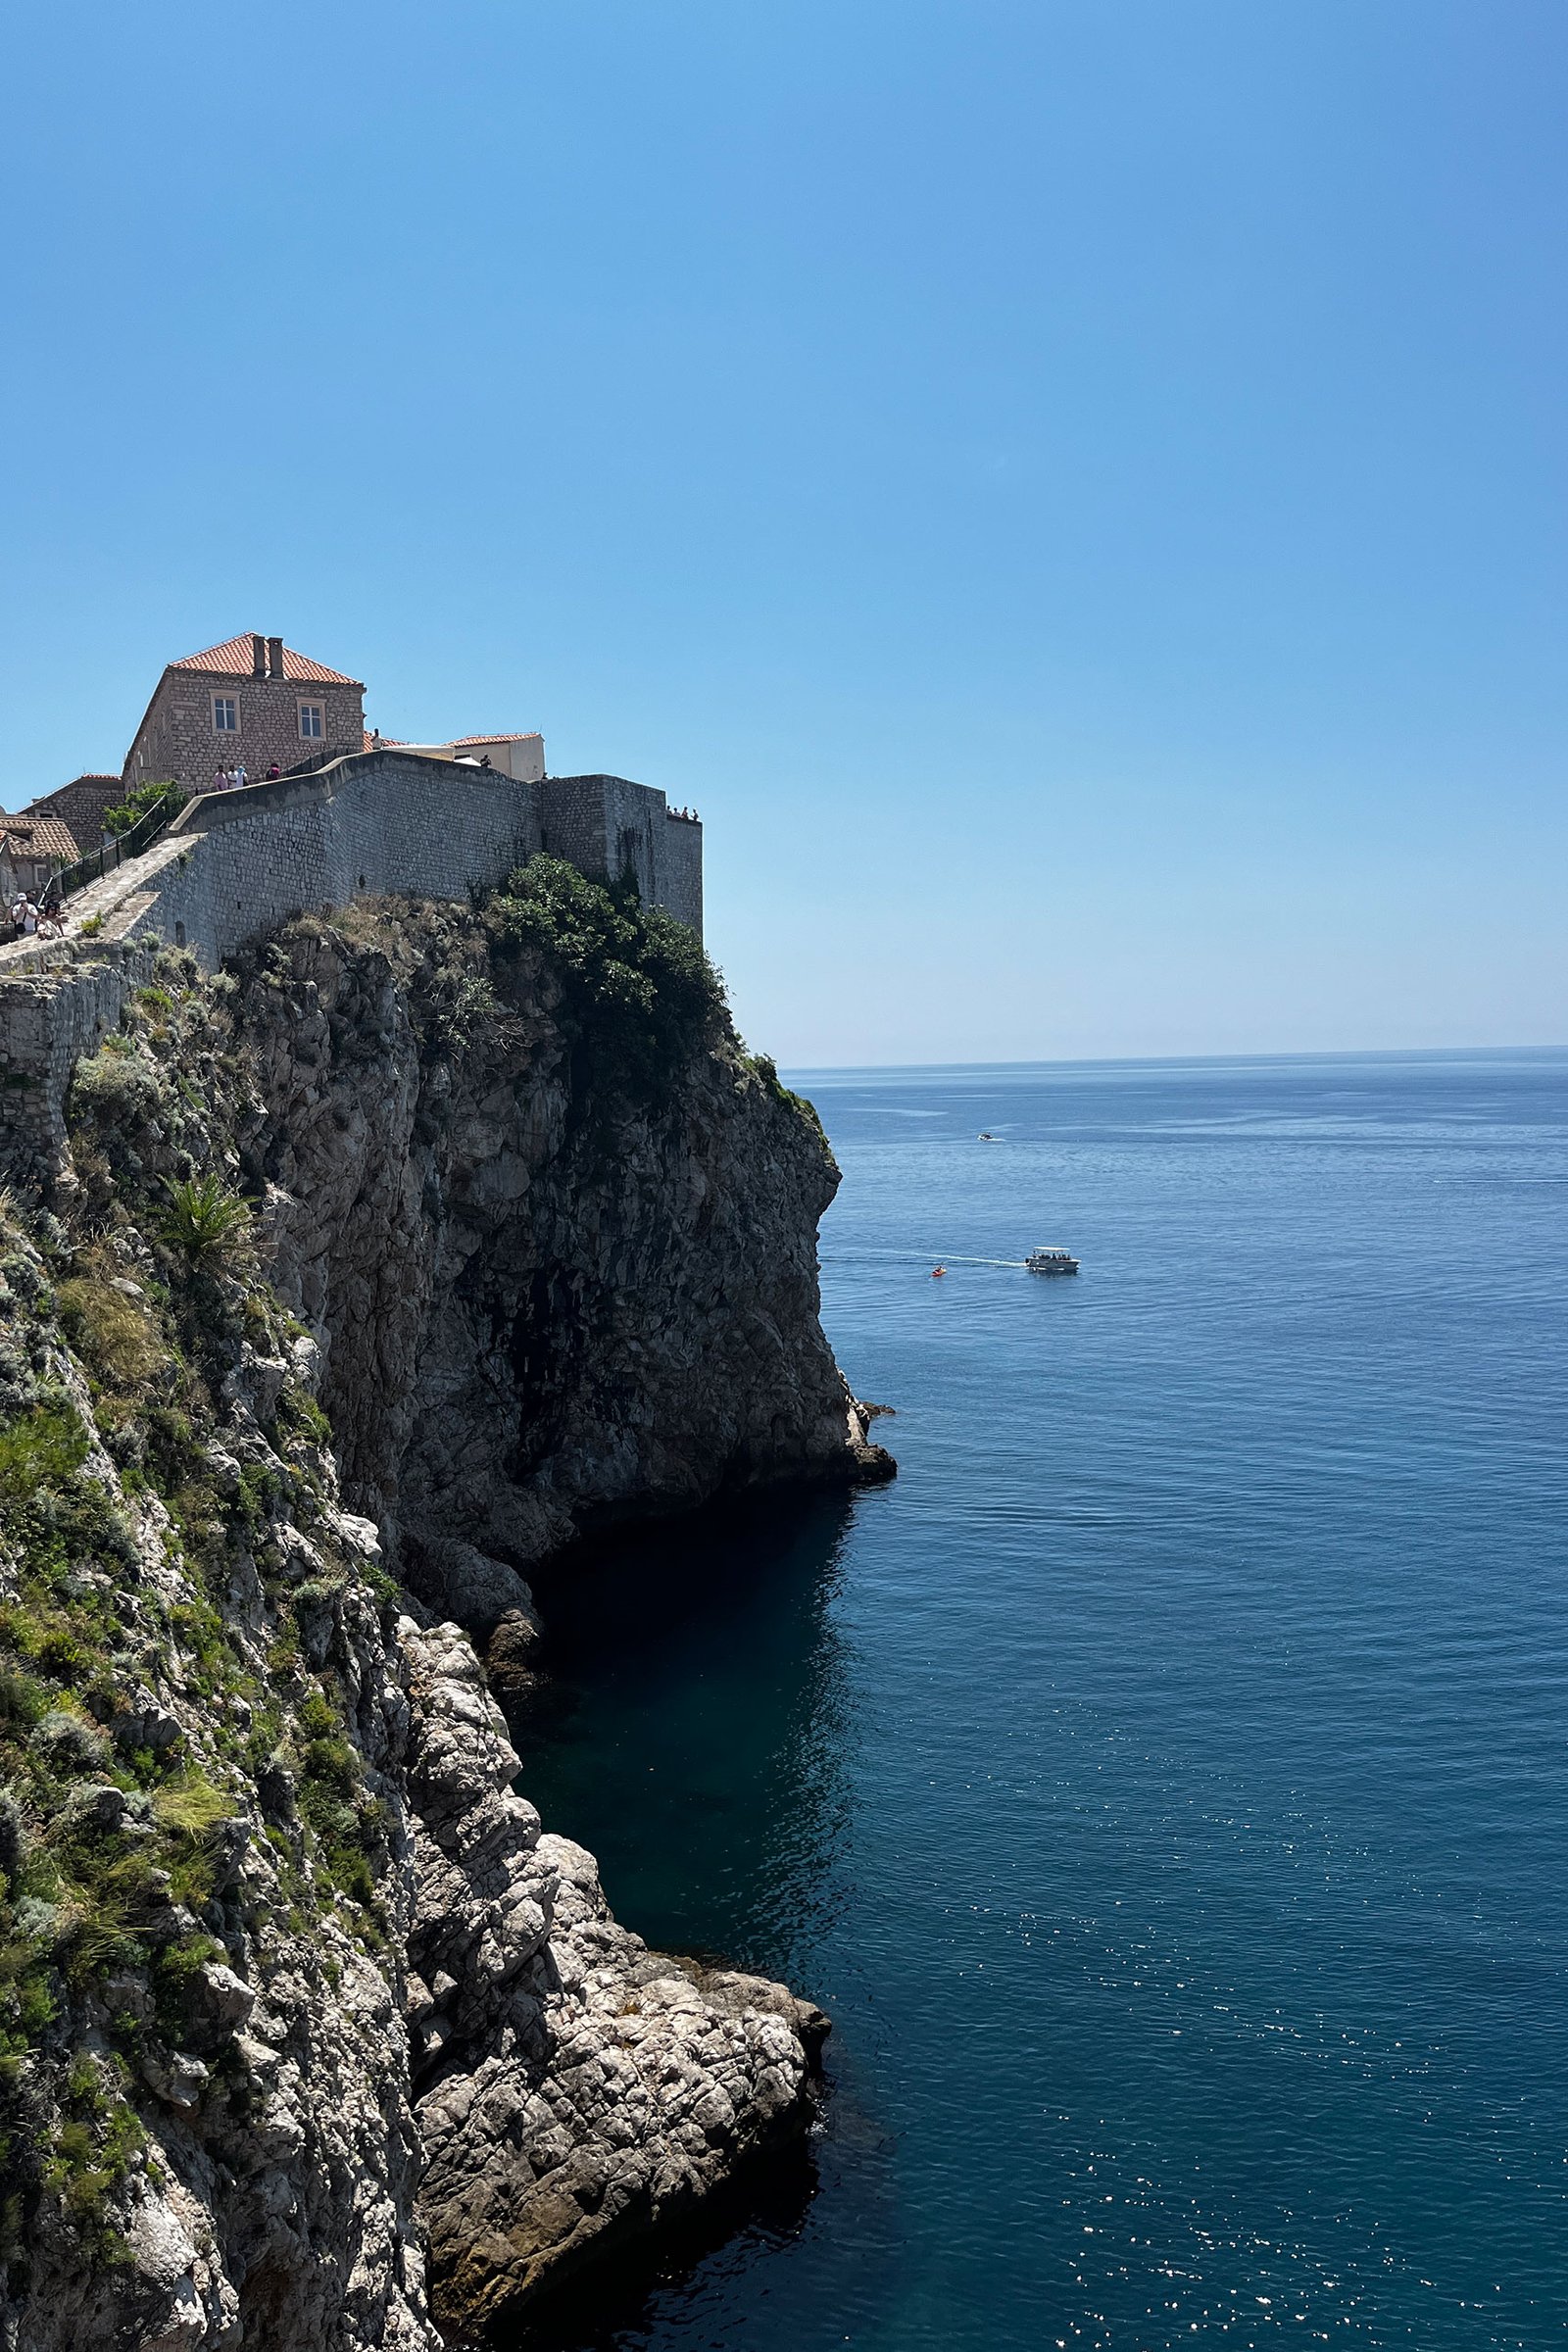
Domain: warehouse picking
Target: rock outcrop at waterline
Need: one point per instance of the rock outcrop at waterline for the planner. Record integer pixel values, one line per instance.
(570, 2084)
(308, 2036)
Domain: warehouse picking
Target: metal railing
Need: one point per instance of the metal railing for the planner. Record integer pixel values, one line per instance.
(113, 850)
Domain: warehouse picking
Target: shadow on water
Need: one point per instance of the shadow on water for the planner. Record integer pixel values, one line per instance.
(763, 2210)
(694, 1726)
(695, 1732)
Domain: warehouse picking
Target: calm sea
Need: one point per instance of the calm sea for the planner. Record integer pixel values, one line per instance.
(1164, 1784)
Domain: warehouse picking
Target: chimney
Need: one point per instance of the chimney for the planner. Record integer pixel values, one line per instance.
(274, 657)
(258, 656)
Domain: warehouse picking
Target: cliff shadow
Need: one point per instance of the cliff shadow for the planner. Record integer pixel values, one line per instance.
(697, 1729)
(693, 1723)
(761, 2209)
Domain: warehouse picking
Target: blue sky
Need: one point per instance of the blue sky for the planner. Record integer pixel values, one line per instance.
(1073, 493)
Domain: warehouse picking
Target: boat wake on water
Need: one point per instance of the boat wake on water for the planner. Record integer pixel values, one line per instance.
(916, 1258)
(1021, 1265)
(985, 1262)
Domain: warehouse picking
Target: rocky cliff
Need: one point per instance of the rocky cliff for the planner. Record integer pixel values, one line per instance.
(551, 1285)
(309, 2036)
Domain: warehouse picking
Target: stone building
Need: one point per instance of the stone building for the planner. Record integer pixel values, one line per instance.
(521, 756)
(78, 807)
(31, 848)
(53, 832)
(252, 700)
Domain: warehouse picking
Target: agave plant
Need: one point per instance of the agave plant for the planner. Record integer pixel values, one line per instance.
(205, 1221)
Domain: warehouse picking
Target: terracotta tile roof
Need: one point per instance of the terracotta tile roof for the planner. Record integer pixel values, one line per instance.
(233, 659)
(497, 735)
(381, 742)
(38, 837)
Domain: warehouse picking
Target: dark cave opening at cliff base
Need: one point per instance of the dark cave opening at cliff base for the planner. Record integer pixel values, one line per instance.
(692, 1723)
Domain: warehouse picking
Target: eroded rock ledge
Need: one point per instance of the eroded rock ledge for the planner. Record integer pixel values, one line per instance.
(568, 2083)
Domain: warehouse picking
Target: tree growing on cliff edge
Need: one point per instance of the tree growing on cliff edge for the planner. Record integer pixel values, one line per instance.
(638, 994)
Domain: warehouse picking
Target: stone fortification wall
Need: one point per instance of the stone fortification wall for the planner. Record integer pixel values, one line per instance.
(237, 864)
(384, 822)
(681, 848)
(608, 827)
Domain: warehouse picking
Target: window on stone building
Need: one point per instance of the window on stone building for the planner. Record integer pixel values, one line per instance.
(226, 715)
(312, 719)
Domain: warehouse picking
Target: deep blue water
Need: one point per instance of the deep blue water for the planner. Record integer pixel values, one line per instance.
(1164, 1783)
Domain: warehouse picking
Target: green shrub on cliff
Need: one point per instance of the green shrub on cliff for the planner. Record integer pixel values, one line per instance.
(637, 993)
(764, 1067)
(116, 1088)
(40, 1452)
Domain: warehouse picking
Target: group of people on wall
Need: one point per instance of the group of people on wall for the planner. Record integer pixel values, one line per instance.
(235, 778)
(43, 917)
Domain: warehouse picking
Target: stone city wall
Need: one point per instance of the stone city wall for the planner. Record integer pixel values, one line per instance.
(386, 821)
(608, 827)
(237, 864)
(681, 876)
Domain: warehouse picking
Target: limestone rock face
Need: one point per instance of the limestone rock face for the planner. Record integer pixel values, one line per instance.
(266, 2192)
(570, 2086)
(345, 2109)
(314, 2042)
(535, 1315)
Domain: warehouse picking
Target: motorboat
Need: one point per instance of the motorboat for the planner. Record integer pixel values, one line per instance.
(985, 1136)
(1051, 1261)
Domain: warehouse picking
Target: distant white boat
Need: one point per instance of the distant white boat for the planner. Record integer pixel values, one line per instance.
(985, 1136)
(1051, 1261)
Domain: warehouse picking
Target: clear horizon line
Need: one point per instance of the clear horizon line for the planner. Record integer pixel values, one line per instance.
(1072, 1061)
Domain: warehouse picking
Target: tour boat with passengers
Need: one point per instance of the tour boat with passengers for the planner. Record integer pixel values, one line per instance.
(1051, 1261)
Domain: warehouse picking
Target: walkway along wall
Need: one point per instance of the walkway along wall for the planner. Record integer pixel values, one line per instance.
(236, 864)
